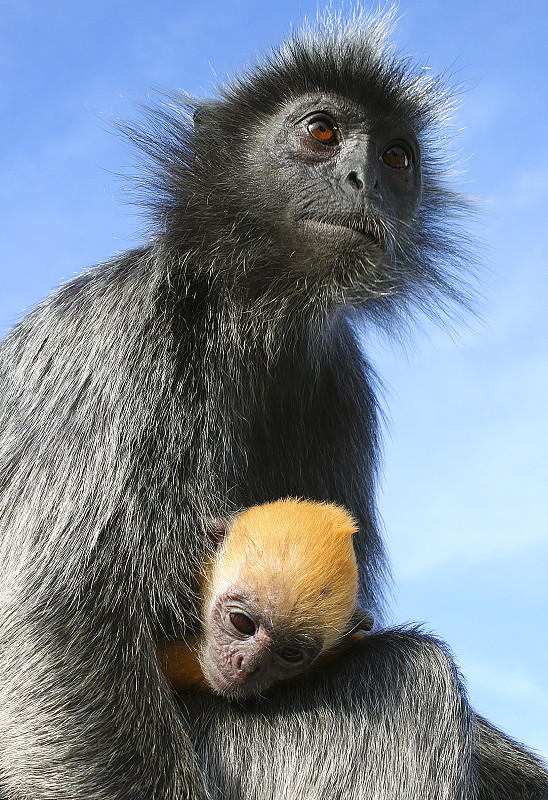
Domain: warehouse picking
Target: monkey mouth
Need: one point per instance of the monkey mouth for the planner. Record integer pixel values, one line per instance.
(353, 231)
(229, 685)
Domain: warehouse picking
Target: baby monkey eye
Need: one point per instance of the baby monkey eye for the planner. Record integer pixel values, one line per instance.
(242, 623)
(323, 130)
(396, 157)
(291, 654)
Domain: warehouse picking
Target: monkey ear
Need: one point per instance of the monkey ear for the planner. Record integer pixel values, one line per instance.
(361, 621)
(205, 114)
(216, 529)
(365, 620)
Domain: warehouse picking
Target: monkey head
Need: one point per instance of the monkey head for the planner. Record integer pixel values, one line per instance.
(325, 172)
(281, 590)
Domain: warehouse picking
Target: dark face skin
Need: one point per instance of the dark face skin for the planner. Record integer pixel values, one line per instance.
(344, 178)
(246, 650)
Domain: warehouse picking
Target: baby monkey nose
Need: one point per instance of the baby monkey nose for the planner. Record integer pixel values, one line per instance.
(252, 654)
(246, 665)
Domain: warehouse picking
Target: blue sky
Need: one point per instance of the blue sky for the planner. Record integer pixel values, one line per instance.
(465, 488)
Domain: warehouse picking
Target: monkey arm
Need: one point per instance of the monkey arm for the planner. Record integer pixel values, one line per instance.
(390, 719)
(504, 768)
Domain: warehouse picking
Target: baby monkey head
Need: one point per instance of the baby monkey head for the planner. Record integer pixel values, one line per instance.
(281, 591)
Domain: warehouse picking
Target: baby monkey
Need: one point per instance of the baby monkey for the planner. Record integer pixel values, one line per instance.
(279, 592)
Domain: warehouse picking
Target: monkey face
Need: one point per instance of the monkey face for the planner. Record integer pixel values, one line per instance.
(345, 181)
(246, 649)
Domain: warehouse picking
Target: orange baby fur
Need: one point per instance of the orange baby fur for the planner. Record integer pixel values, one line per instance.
(296, 558)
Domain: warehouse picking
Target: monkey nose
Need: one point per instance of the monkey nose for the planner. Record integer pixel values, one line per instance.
(364, 181)
(252, 657)
(355, 180)
(244, 664)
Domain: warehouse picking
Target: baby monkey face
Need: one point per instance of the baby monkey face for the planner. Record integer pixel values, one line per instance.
(280, 592)
(248, 646)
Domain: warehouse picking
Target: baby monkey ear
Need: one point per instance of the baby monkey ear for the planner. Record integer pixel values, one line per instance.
(361, 622)
(216, 529)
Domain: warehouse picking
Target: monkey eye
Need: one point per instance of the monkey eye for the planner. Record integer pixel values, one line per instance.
(291, 654)
(323, 130)
(396, 157)
(242, 623)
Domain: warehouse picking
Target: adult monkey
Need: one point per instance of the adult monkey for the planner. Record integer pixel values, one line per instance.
(213, 369)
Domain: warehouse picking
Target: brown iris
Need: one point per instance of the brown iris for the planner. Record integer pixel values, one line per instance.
(323, 130)
(242, 623)
(395, 156)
